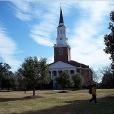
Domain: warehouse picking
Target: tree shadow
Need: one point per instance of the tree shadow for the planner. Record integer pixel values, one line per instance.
(104, 106)
(21, 98)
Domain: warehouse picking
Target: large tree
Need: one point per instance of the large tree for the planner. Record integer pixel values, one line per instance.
(8, 81)
(5, 75)
(108, 78)
(33, 73)
(44, 76)
(109, 41)
(21, 83)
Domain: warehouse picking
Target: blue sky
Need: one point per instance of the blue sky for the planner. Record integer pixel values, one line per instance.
(28, 28)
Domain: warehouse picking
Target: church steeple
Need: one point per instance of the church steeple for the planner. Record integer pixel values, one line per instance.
(61, 21)
(61, 48)
(61, 31)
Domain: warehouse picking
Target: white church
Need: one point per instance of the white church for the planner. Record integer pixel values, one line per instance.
(62, 58)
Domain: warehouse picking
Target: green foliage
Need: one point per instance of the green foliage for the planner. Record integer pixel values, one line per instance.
(63, 80)
(21, 83)
(108, 81)
(30, 72)
(95, 75)
(108, 78)
(44, 79)
(29, 76)
(108, 40)
(33, 73)
(7, 79)
(77, 81)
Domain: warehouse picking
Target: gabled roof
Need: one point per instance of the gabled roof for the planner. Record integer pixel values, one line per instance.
(77, 64)
(74, 63)
(61, 65)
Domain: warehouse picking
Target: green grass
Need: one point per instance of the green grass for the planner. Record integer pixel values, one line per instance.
(52, 102)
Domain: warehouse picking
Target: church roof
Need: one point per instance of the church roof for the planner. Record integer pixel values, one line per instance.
(77, 64)
(74, 63)
(61, 17)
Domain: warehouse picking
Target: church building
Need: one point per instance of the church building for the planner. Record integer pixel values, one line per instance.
(62, 58)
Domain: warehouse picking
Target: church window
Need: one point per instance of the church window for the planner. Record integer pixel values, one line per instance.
(78, 70)
(60, 71)
(60, 51)
(71, 71)
(54, 73)
(49, 73)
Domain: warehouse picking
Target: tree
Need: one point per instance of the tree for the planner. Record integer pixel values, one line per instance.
(31, 72)
(5, 75)
(108, 78)
(21, 83)
(109, 41)
(8, 80)
(95, 75)
(4, 67)
(63, 80)
(77, 81)
(44, 76)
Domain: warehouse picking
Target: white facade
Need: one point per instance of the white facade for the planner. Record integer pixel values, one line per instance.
(56, 68)
(61, 36)
(61, 66)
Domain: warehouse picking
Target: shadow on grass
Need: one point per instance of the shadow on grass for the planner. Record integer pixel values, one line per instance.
(22, 98)
(104, 106)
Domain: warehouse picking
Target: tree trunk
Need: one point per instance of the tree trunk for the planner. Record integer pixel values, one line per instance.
(25, 91)
(33, 91)
(8, 88)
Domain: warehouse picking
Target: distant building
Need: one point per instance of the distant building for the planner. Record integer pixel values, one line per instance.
(62, 58)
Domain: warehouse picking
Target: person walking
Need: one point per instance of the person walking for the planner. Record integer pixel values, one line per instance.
(92, 91)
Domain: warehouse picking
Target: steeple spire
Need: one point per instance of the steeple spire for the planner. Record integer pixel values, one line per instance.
(61, 32)
(61, 21)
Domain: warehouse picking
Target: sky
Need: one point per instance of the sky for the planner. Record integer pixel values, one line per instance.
(29, 28)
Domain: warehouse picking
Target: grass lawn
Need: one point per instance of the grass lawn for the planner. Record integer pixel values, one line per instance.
(53, 102)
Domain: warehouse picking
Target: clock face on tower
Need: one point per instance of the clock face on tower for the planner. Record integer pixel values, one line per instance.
(61, 54)
(60, 51)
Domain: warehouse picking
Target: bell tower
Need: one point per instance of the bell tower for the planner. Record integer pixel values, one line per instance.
(61, 48)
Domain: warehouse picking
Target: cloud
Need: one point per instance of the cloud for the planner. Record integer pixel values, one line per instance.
(50, 60)
(23, 9)
(41, 32)
(87, 38)
(28, 10)
(23, 16)
(8, 49)
(86, 35)
(7, 46)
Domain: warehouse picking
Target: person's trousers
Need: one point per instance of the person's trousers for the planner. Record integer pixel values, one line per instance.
(93, 99)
